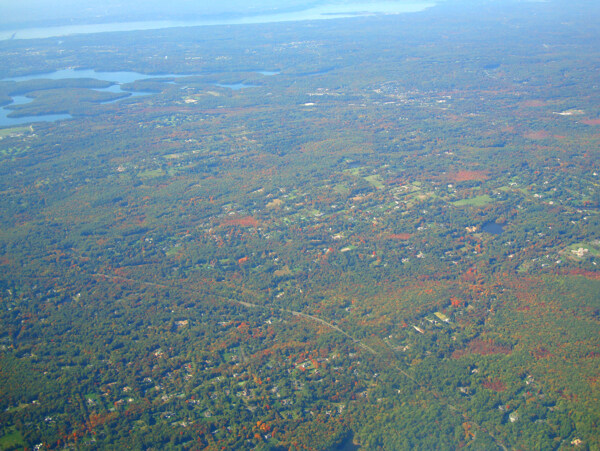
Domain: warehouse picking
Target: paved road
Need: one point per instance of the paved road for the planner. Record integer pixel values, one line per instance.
(366, 347)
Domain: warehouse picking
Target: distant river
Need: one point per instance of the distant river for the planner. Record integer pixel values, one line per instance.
(318, 13)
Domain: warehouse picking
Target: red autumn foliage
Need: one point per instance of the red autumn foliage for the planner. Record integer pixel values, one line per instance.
(482, 347)
(587, 274)
(494, 384)
(246, 221)
(533, 103)
(541, 353)
(464, 175)
(400, 236)
(456, 302)
(540, 134)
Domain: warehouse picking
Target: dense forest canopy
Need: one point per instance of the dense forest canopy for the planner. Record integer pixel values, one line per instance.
(378, 232)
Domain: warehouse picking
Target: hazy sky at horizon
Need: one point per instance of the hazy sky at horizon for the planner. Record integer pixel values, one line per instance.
(73, 11)
(17, 17)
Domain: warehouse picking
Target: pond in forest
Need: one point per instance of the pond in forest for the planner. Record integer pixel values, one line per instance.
(493, 227)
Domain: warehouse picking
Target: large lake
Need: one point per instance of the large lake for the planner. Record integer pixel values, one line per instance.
(116, 77)
(332, 11)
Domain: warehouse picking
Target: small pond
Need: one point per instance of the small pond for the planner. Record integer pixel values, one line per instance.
(493, 227)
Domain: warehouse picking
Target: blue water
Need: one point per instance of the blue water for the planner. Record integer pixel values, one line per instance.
(9, 121)
(132, 94)
(493, 228)
(115, 77)
(118, 78)
(235, 86)
(21, 100)
(315, 13)
(327, 11)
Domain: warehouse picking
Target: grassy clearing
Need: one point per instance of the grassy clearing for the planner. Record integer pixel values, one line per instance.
(593, 249)
(151, 174)
(12, 151)
(478, 201)
(341, 189)
(13, 131)
(174, 156)
(174, 251)
(375, 180)
(12, 439)
(355, 171)
(17, 408)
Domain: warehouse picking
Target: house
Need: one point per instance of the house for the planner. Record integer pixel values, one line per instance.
(443, 317)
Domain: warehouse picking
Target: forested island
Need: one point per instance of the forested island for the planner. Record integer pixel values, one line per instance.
(374, 232)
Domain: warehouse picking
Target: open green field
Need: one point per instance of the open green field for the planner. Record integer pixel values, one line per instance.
(478, 201)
